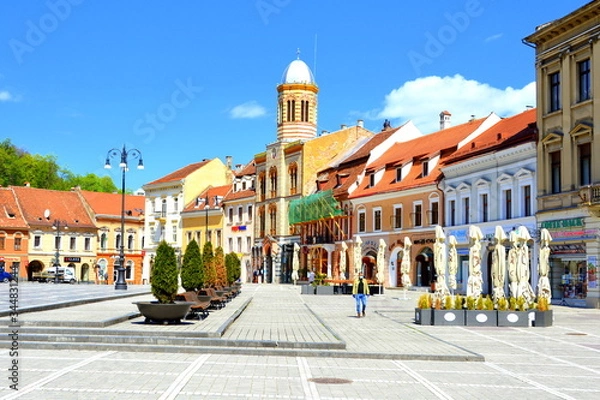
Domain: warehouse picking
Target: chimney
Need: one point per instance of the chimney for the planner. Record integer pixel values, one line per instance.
(343, 126)
(445, 120)
(229, 161)
(360, 123)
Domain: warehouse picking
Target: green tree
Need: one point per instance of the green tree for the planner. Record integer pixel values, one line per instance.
(219, 262)
(164, 274)
(210, 273)
(233, 266)
(192, 273)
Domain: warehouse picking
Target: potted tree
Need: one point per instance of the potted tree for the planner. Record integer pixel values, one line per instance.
(481, 312)
(423, 311)
(164, 285)
(192, 276)
(543, 313)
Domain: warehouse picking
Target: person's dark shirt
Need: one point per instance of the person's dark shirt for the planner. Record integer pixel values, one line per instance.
(361, 287)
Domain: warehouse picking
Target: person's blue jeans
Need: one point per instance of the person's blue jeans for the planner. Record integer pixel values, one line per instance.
(361, 303)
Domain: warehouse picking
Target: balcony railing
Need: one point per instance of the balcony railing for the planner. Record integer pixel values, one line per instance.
(590, 195)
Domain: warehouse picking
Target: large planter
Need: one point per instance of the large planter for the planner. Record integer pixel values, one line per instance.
(543, 318)
(158, 313)
(325, 290)
(449, 317)
(513, 318)
(308, 289)
(481, 318)
(423, 316)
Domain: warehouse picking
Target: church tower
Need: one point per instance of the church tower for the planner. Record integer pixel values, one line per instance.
(297, 104)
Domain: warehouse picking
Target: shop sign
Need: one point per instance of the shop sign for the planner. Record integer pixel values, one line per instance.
(563, 223)
(424, 241)
(576, 235)
(72, 259)
(567, 249)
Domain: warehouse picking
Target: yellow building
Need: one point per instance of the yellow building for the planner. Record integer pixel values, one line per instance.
(166, 198)
(567, 59)
(287, 169)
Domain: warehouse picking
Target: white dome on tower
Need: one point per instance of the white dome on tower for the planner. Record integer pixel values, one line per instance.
(297, 72)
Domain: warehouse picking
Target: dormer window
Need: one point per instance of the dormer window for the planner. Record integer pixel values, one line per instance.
(371, 179)
(425, 168)
(398, 174)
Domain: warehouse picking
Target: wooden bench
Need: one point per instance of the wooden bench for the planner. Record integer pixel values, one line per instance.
(200, 307)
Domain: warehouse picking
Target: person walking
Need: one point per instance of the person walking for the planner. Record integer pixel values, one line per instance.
(360, 291)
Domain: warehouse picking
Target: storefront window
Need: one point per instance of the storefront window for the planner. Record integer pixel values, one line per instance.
(570, 280)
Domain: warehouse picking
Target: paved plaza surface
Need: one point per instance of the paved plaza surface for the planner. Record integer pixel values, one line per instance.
(271, 342)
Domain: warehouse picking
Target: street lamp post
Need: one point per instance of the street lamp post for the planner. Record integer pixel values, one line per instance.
(121, 283)
(57, 224)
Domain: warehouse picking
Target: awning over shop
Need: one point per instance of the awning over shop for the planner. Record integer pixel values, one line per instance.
(314, 207)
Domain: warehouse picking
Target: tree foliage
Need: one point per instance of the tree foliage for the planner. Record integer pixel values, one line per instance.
(192, 269)
(43, 172)
(233, 266)
(220, 267)
(210, 273)
(164, 274)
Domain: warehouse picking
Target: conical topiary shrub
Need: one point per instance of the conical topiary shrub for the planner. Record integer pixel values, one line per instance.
(192, 273)
(164, 274)
(210, 273)
(219, 262)
(233, 266)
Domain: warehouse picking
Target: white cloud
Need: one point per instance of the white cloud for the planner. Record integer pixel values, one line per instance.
(250, 109)
(423, 99)
(5, 96)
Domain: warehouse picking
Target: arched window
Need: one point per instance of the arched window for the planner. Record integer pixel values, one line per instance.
(118, 241)
(130, 242)
(261, 221)
(262, 183)
(273, 181)
(163, 211)
(293, 174)
(103, 240)
(273, 219)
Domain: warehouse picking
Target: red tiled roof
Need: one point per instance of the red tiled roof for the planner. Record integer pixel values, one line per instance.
(442, 142)
(110, 203)
(375, 140)
(508, 132)
(10, 213)
(240, 194)
(180, 173)
(62, 205)
(211, 192)
(248, 169)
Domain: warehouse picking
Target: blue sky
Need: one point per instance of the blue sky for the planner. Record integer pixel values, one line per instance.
(186, 80)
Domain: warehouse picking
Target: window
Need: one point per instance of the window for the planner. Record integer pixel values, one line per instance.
(435, 213)
(371, 180)
(304, 110)
(37, 241)
(585, 164)
(527, 201)
(17, 244)
(262, 182)
(398, 174)
(240, 213)
(466, 209)
(230, 215)
(103, 240)
(230, 244)
(362, 223)
(239, 245)
(209, 236)
(273, 181)
(273, 220)
(293, 175)
(555, 171)
(163, 211)
(2, 243)
(261, 222)
(57, 242)
(176, 204)
(174, 230)
(584, 80)
(452, 212)
(425, 168)
(72, 243)
(248, 244)
(507, 204)
(485, 214)
(397, 217)
(129, 270)
(87, 244)
(418, 215)
(118, 241)
(377, 219)
(130, 242)
(554, 91)
(218, 233)
(249, 213)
